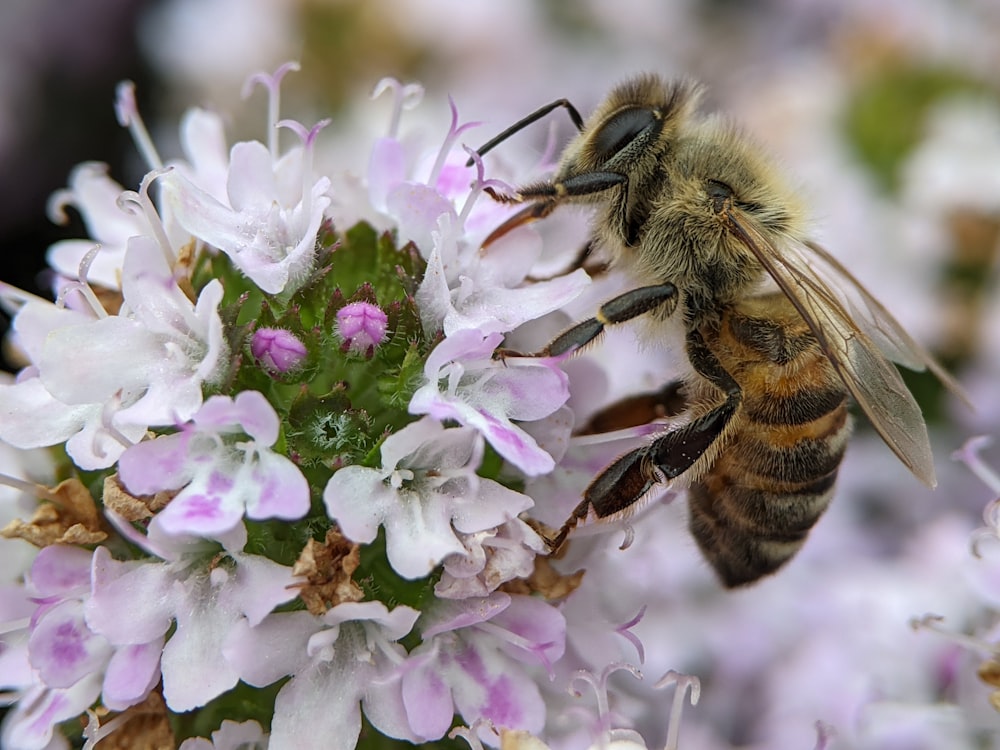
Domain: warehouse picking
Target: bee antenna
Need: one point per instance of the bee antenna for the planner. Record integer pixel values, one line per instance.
(521, 124)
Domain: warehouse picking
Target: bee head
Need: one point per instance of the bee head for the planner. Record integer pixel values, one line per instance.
(633, 128)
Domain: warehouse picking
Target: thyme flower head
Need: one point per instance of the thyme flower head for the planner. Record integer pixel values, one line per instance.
(307, 468)
(287, 436)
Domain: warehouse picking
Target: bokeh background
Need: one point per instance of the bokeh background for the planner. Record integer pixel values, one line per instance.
(886, 114)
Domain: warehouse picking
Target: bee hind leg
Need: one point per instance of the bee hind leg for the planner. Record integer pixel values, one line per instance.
(632, 476)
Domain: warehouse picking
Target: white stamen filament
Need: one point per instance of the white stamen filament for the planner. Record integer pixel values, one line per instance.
(129, 117)
(94, 732)
(13, 299)
(153, 217)
(535, 649)
(599, 684)
(932, 622)
(404, 97)
(375, 639)
(83, 286)
(108, 427)
(683, 682)
(969, 455)
(273, 113)
(25, 486)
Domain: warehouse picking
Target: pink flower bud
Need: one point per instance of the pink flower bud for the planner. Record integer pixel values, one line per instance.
(276, 349)
(362, 326)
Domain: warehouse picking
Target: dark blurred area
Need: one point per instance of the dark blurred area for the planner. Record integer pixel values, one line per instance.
(59, 65)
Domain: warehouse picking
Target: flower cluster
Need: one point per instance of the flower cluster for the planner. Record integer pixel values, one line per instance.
(296, 456)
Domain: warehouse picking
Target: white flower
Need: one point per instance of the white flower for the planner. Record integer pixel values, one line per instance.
(425, 492)
(346, 658)
(142, 367)
(465, 383)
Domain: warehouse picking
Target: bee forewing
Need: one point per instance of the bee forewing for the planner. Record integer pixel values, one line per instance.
(870, 377)
(888, 333)
(883, 396)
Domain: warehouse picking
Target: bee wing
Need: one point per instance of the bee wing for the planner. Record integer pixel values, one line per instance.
(867, 372)
(891, 337)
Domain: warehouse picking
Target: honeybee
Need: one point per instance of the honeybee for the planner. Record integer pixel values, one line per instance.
(778, 333)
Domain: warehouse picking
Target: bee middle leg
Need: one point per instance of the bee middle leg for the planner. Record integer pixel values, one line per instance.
(669, 455)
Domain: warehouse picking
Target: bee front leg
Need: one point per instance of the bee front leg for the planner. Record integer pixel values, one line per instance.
(629, 478)
(621, 309)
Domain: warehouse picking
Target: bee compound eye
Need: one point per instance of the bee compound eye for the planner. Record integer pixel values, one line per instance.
(619, 131)
(718, 190)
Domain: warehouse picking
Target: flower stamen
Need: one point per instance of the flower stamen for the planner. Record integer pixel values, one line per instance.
(127, 112)
(454, 131)
(137, 203)
(272, 82)
(684, 682)
(405, 96)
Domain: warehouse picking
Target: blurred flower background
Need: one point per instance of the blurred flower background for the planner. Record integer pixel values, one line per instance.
(888, 117)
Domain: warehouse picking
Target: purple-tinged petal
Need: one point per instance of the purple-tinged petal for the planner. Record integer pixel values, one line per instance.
(419, 535)
(63, 649)
(448, 615)
(131, 674)
(156, 465)
(203, 140)
(251, 180)
(428, 701)
(409, 440)
(279, 489)
(205, 507)
(416, 209)
(384, 708)
(541, 626)
(395, 623)
(30, 417)
(32, 722)
(60, 569)
(484, 686)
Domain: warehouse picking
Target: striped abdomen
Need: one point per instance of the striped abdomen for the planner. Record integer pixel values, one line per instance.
(751, 510)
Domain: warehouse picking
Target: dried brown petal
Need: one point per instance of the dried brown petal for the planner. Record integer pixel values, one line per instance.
(68, 515)
(989, 672)
(144, 726)
(328, 568)
(518, 739)
(132, 507)
(545, 580)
